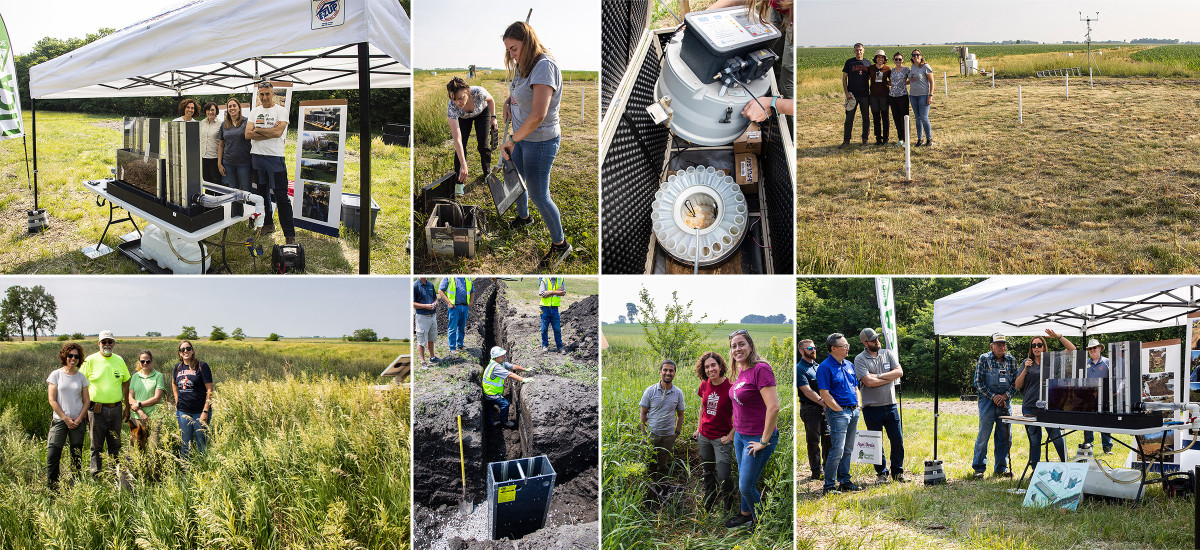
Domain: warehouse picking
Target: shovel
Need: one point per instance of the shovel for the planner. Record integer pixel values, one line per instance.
(504, 182)
(465, 506)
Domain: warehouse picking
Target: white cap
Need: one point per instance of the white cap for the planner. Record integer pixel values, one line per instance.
(999, 338)
(1092, 343)
(498, 351)
(105, 335)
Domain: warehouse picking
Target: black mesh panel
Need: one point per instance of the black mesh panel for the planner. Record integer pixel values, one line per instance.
(780, 197)
(621, 25)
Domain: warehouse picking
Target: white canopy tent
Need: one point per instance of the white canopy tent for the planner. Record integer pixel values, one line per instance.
(1025, 305)
(226, 46)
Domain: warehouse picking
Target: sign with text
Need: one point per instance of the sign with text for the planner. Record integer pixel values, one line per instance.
(868, 447)
(11, 125)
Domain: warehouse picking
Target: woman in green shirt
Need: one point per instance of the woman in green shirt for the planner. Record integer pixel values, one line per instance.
(146, 388)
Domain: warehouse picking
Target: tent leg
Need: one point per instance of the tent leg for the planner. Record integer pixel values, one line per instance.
(364, 144)
(37, 216)
(937, 382)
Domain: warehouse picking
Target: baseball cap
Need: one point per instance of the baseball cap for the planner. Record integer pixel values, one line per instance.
(868, 335)
(999, 338)
(105, 335)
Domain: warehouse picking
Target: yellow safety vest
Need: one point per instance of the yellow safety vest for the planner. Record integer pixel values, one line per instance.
(492, 384)
(450, 288)
(553, 283)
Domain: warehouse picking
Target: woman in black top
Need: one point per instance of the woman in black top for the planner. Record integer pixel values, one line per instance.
(193, 389)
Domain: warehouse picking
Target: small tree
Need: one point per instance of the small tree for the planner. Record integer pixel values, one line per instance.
(13, 309)
(217, 333)
(631, 311)
(674, 335)
(188, 333)
(42, 311)
(385, 339)
(153, 334)
(64, 337)
(273, 337)
(621, 319)
(237, 334)
(77, 336)
(364, 335)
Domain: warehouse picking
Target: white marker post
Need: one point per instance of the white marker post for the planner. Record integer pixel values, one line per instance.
(1067, 80)
(993, 76)
(1090, 85)
(907, 145)
(1020, 107)
(946, 84)
(582, 101)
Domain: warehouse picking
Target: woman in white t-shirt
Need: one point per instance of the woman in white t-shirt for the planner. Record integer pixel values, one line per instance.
(66, 390)
(210, 133)
(188, 110)
(469, 106)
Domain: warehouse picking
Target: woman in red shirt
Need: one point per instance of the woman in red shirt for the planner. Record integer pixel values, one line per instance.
(714, 428)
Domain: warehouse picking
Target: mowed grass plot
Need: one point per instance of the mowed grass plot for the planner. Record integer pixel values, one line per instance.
(573, 184)
(628, 520)
(303, 453)
(73, 148)
(965, 513)
(1103, 182)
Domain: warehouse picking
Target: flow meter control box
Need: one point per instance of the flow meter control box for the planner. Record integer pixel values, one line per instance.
(715, 36)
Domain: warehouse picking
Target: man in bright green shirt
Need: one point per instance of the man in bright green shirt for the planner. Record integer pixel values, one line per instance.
(109, 384)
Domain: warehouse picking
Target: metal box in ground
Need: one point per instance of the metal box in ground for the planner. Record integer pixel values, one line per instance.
(454, 229)
(352, 206)
(519, 493)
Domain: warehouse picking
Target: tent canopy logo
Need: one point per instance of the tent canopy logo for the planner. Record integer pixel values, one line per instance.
(327, 13)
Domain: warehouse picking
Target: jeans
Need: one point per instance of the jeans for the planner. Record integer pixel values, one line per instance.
(193, 432)
(750, 467)
(661, 456)
(481, 124)
(816, 436)
(866, 122)
(887, 418)
(1035, 438)
(879, 117)
(105, 430)
(899, 107)
(272, 182)
(237, 177)
(59, 435)
(843, 427)
(989, 416)
(496, 401)
(457, 327)
(716, 458)
(550, 319)
(920, 105)
(1105, 439)
(534, 159)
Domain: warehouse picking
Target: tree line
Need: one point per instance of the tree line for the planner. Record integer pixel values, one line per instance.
(387, 105)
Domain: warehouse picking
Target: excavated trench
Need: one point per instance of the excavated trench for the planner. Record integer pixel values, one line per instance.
(554, 415)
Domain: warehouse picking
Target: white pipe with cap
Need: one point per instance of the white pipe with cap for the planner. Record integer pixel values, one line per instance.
(1020, 109)
(907, 145)
(1067, 80)
(945, 84)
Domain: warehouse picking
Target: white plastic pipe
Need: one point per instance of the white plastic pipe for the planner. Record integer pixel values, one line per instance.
(582, 101)
(946, 84)
(1067, 80)
(1090, 78)
(907, 145)
(993, 76)
(1020, 107)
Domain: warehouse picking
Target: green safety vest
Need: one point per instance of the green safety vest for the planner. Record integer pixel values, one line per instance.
(492, 385)
(450, 288)
(553, 283)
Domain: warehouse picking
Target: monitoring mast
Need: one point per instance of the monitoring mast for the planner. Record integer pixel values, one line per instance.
(1091, 61)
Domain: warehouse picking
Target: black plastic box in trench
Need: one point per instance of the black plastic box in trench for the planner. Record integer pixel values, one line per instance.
(519, 494)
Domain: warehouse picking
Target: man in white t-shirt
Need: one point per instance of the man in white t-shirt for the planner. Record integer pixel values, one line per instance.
(266, 129)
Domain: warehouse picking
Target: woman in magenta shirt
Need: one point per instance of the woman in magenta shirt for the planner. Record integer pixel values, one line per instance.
(755, 413)
(714, 428)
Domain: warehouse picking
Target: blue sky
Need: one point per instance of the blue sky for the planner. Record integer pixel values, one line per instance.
(291, 306)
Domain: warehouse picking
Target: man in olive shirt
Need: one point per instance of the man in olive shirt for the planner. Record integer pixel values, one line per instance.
(108, 377)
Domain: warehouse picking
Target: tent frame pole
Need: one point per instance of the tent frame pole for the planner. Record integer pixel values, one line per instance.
(33, 108)
(364, 160)
(937, 384)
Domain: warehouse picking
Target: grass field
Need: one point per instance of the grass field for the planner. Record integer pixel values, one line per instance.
(573, 184)
(975, 514)
(1102, 182)
(73, 148)
(302, 454)
(626, 521)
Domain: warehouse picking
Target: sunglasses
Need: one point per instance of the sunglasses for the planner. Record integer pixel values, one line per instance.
(181, 350)
(1038, 345)
(737, 332)
(74, 356)
(145, 361)
(897, 59)
(107, 342)
(811, 348)
(262, 85)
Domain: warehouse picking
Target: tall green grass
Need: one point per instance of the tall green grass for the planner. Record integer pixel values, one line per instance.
(296, 459)
(627, 521)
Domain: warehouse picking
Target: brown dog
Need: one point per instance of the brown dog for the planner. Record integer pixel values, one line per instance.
(139, 433)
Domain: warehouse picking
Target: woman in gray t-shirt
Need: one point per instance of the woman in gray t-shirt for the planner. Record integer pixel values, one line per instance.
(532, 106)
(469, 106)
(920, 94)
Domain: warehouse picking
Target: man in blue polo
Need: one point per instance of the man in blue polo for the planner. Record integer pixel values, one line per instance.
(457, 293)
(839, 390)
(1097, 367)
(994, 376)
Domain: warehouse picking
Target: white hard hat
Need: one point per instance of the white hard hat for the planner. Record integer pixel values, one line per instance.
(498, 351)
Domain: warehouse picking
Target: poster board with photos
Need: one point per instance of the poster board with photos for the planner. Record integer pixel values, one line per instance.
(1160, 372)
(1189, 382)
(320, 165)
